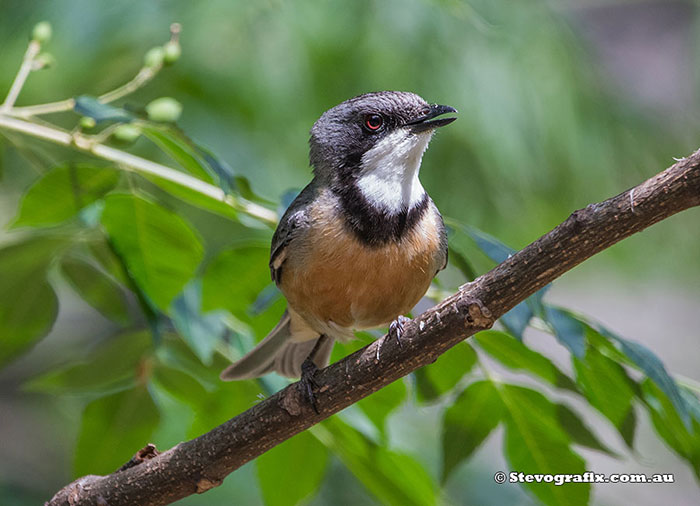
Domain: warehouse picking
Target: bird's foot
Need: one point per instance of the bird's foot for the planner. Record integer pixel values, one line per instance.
(307, 382)
(396, 328)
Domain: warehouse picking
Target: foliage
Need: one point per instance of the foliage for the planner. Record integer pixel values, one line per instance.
(182, 304)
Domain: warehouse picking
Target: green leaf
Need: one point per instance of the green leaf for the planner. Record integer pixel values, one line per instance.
(111, 260)
(577, 430)
(234, 279)
(281, 486)
(536, 444)
(267, 296)
(201, 331)
(692, 401)
(436, 379)
(91, 107)
(517, 319)
(28, 309)
(652, 366)
(638, 356)
(178, 148)
(195, 198)
(219, 400)
(200, 162)
(670, 427)
(568, 330)
(62, 192)
(392, 477)
(629, 427)
(174, 353)
(601, 343)
(113, 429)
(460, 261)
(606, 385)
(468, 422)
(96, 288)
(160, 249)
(245, 190)
(463, 253)
(30, 256)
(226, 400)
(111, 366)
(381, 403)
(2, 159)
(28, 304)
(225, 176)
(343, 349)
(536, 302)
(108, 260)
(179, 384)
(492, 247)
(515, 355)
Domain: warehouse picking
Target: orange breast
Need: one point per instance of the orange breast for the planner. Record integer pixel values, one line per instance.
(336, 278)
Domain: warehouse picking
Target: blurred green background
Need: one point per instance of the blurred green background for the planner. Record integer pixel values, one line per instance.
(560, 104)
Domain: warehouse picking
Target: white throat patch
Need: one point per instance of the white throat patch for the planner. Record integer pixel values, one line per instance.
(389, 177)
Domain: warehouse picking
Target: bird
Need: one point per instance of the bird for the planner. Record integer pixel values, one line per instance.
(361, 243)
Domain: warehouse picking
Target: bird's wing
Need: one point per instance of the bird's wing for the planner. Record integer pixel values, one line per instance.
(295, 221)
(442, 233)
(283, 350)
(261, 359)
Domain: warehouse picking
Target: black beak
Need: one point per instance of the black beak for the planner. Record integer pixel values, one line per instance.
(424, 122)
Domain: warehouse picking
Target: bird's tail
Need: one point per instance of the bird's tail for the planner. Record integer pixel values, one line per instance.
(277, 352)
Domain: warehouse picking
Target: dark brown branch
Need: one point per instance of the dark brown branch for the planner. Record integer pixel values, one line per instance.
(202, 463)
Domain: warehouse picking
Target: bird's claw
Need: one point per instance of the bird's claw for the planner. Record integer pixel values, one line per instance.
(396, 328)
(307, 382)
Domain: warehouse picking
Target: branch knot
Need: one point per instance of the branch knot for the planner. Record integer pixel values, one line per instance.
(477, 314)
(205, 484)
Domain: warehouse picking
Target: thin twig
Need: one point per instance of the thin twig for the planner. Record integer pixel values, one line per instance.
(144, 75)
(137, 164)
(36, 110)
(24, 70)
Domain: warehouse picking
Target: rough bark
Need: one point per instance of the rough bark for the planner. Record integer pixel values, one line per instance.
(200, 464)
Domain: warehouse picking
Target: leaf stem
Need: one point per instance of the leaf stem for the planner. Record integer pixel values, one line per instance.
(134, 163)
(22, 74)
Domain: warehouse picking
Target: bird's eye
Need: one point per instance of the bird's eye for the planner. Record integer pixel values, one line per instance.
(373, 122)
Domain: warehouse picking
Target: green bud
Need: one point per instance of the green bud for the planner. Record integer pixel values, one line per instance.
(45, 60)
(172, 52)
(87, 122)
(154, 57)
(164, 109)
(126, 133)
(42, 32)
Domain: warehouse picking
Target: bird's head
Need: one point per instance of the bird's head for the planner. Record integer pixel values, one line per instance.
(376, 141)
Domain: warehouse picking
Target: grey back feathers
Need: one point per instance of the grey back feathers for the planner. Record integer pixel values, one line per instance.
(294, 222)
